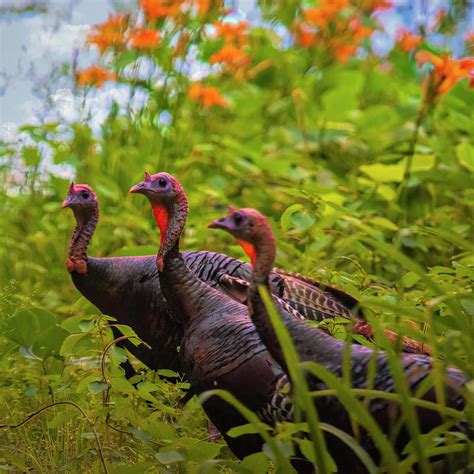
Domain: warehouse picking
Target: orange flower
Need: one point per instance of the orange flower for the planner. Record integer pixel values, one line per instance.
(235, 33)
(370, 6)
(359, 31)
(447, 72)
(305, 36)
(408, 41)
(145, 38)
(110, 33)
(344, 52)
(318, 16)
(158, 9)
(207, 96)
(231, 56)
(204, 6)
(335, 26)
(95, 75)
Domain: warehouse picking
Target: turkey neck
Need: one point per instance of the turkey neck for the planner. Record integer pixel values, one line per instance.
(86, 222)
(264, 248)
(325, 349)
(186, 294)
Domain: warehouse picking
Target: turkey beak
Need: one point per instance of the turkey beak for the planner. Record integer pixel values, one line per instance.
(66, 203)
(140, 188)
(221, 223)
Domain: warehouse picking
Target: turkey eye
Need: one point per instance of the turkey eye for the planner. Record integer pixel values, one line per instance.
(238, 219)
(162, 182)
(85, 194)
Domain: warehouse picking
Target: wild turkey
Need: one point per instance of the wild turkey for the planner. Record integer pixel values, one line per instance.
(220, 346)
(128, 288)
(312, 344)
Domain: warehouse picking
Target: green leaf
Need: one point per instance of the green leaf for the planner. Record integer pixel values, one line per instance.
(256, 463)
(23, 327)
(169, 457)
(84, 383)
(72, 324)
(49, 342)
(122, 385)
(421, 162)
(70, 344)
(130, 333)
(465, 155)
(245, 429)
(61, 418)
(203, 451)
(167, 373)
(339, 102)
(141, 434)
(96, 387)
(117, 354)
(384, 223)
(384, 173)
(296, 217)
(31, 156)
(86, 325)
(410, 279)
(125, 58)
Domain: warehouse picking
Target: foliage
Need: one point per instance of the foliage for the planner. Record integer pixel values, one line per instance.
(364, 164)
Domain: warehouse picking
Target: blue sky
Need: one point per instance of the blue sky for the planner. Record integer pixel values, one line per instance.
(33, 44)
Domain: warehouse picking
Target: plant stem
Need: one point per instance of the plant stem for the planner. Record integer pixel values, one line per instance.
(402, 191)
(83, 413)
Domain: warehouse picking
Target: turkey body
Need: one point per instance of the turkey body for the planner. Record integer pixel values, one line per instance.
(128, 288)
(366, 368)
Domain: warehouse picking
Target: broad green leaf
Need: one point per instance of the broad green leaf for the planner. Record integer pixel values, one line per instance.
(384, 173)
(421, 162)
(130, 333)
(23, 328)
(96, 387)
(122, 385)
(203, 451)
(49, 341)
(256, 463)
(169, 457)
(243, 430)
(31, 156)
(410, 279)
(70, 344)
(72, 324)
(83, 385)
(465, 155)
(339, 102)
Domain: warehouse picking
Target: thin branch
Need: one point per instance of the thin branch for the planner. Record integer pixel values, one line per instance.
(83, 413)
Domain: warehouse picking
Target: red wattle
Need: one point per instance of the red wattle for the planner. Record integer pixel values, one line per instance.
(161, 218)
(249, 249)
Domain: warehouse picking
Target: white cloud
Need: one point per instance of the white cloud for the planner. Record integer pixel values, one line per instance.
(58, 43)
(9, 132)
(65, 104)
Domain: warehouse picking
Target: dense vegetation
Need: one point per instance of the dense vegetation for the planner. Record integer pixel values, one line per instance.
(363, 163)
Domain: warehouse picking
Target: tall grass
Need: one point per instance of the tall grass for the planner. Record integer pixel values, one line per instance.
(423, 446)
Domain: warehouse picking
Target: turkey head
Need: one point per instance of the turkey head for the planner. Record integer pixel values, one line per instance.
(85, 206)
(248, 226)
(170, 208)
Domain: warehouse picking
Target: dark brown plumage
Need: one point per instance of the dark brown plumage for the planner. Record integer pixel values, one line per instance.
(220, 346)
(312, 344)
(128, 288)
